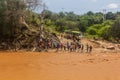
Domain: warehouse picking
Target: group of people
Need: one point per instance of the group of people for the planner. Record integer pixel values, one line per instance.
(74, 47)
(64, 46)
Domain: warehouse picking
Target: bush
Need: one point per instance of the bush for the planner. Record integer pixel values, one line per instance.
(92, 31)
(104, 32)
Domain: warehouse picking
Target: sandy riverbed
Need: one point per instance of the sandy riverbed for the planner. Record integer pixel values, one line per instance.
(59, 66)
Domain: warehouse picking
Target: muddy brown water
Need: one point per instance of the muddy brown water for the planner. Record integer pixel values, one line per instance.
(59, 66)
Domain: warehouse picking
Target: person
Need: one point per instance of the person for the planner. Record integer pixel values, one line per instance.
(71, 47)
(65, 46)
(74, 38)
(53, 44)
(90, 48)
(87, 47)
(76, 45)
(82, 47)
(68, 45)
(57, 46)
(61, 46)
(40, 42)
(49, 44)
(79, 47)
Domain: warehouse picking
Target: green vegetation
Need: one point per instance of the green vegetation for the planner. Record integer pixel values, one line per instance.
(91, 24)
(16, 16)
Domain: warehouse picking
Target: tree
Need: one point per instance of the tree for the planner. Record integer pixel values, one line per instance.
(82, 25)
(110, 16)
(48, 14)
(61, 15)
(71, 16)
(90, 13)
(115, 30)
(14, 13)
(104, 32)
(60, 25)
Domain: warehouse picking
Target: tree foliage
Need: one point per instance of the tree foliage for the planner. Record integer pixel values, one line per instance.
(13, 14)
(115, 30)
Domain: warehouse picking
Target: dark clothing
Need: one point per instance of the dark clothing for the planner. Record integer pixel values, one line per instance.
(90, 49)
